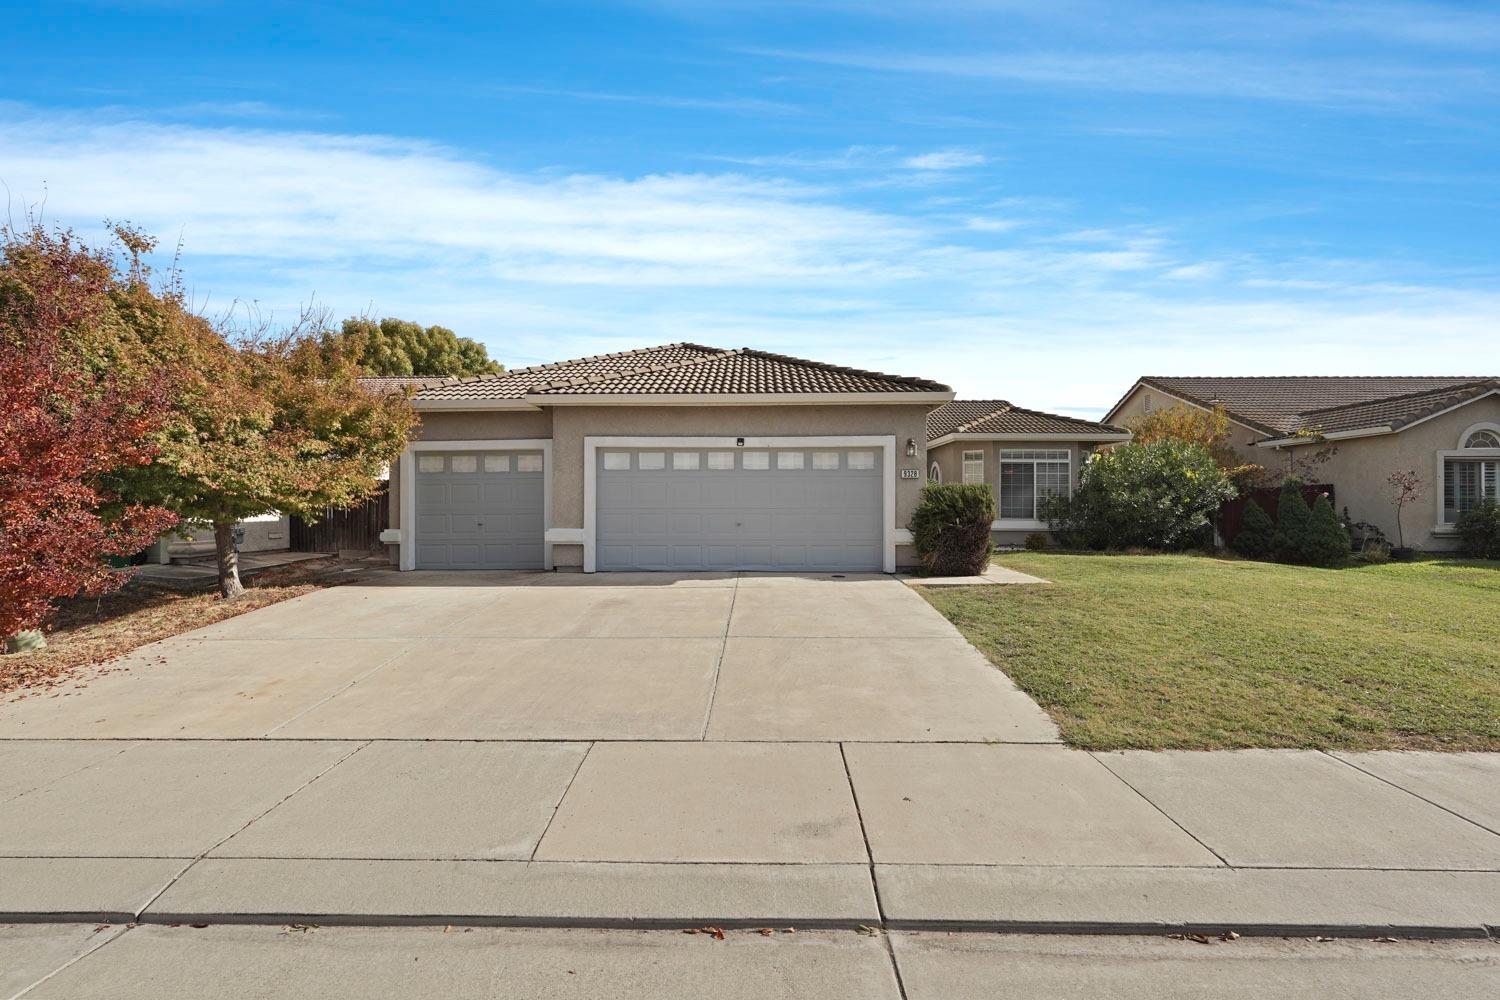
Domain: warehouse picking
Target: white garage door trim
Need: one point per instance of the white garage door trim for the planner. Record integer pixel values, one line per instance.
(886, 443)
(408, 468)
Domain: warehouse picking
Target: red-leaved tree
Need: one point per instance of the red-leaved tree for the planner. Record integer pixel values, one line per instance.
(75, 407)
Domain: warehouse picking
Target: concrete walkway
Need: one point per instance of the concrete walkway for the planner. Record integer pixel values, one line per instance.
(658, 751)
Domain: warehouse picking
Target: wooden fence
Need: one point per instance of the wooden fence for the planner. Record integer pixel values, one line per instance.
(343, 529)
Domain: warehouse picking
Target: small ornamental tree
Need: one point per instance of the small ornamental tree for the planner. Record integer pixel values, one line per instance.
(266, 424)
(1190, 424)
(398, 347)
(1293, 522)
(70, 415)
(1257, 535)
(1406, 488)
(951, 528)
(1327, 541)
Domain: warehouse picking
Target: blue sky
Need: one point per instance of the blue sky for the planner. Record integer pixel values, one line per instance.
(1034, 200)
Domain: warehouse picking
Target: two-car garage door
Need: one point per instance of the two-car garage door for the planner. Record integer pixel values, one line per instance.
(736, 508)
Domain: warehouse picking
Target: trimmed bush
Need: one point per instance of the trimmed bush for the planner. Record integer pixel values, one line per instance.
(1479, 529)
(951, 528)
(1036, 541)
(1327, 540)
(1257, 535)
(1159, 495)
(1293, 522)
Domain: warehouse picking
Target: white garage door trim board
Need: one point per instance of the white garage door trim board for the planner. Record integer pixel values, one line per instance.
(408, 468)
(591, 446)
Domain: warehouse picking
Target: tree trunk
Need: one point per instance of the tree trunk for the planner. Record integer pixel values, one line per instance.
(229, 559)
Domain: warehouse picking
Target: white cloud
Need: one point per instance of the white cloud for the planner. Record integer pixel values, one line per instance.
(1196, 272)
(544, 265)
(944, 159)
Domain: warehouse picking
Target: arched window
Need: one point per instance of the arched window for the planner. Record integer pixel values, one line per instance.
(1483, 439)
(935, 473)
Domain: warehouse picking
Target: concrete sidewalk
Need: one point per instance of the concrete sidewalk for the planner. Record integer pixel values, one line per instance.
(460, 963)
(608, 834)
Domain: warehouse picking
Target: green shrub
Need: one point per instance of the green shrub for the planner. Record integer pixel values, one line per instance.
(1257, 535)
(1293, 522)
(951, 528)
(1479, 529)
(1327, 540)
(1159, 495)
(1036, 541)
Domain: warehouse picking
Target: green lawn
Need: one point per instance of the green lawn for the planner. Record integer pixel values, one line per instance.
(1199, 652)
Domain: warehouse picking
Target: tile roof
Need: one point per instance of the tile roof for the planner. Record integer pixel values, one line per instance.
(1276, 404)
(996, 416)
(737, 372)
(688, 369)
(384, 383)
(1395, 412)
(515, 384)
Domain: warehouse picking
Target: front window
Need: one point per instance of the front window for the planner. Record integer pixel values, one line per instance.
(973, 466)
(1471, 473)
(1467, 481)
(1028, 476)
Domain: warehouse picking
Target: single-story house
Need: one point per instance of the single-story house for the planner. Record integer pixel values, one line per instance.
(1446, 429)
(1025, 455)
(679, 457)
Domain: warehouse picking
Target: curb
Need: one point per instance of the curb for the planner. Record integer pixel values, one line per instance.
(1086, 928)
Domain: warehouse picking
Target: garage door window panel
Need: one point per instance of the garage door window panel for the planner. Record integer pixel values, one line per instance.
(757, 461)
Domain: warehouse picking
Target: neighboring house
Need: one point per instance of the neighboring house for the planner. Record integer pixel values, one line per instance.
(1024, 454)
(679, 457)
(265, 533)
(1446, 429)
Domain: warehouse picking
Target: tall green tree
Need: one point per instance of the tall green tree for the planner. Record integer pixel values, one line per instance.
(398, 347)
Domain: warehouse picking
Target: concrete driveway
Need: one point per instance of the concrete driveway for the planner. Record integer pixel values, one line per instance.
(473, 656)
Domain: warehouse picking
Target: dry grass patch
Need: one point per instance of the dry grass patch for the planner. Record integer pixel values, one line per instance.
(87, 634)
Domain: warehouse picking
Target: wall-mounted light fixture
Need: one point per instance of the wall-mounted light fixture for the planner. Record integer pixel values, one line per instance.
(911, 447)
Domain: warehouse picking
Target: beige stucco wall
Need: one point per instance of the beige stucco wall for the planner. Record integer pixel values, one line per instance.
(567, 426)
(1241, 438)
(1359, 467)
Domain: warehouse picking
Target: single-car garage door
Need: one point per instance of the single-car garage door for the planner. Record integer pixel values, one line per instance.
(768, 509)
(479, 510)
